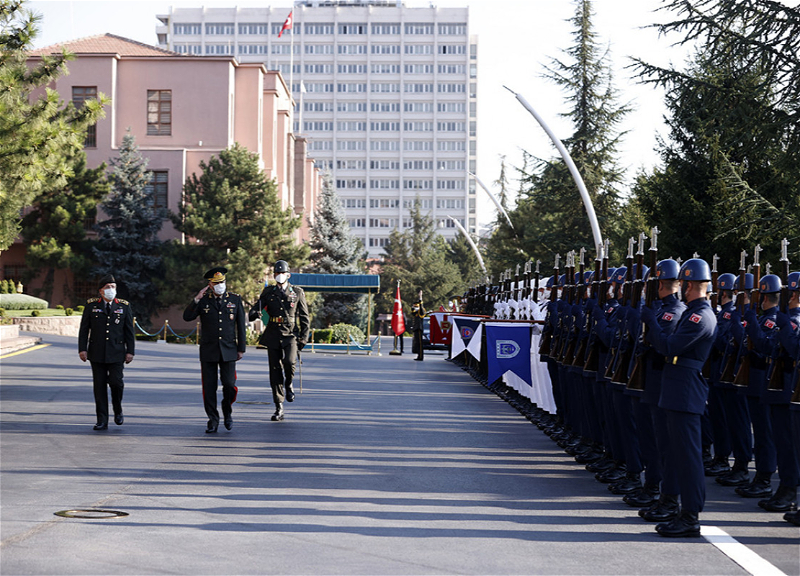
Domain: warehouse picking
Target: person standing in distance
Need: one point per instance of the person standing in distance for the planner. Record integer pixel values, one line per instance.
(106, 338)
(223, 342)
(417, 326)
(284, 311)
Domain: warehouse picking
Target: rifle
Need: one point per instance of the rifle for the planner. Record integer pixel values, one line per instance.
(732, 356)
(626, 295)
(569, 355)
(624, 359)
(557, 351)
(547, 333)
(601, 288)
(536, 282)
(714, 302)
(636, 379)
(776, 362)
(742, 377)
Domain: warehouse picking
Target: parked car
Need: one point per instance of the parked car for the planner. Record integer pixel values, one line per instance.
(426, 338)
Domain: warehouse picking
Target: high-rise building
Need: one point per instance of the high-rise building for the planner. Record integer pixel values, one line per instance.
(386, 95)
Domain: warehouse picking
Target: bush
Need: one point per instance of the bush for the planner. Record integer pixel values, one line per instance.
(2, 312)
(60, 307)
(79, 309)
(69, 312)
(4, 286)
(322, 336)
(35, 313)
(22, 302)
(339, 333)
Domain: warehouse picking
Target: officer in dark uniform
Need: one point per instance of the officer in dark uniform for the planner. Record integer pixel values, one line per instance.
(417, 326)
(223, 341)
(284, 311)
(684, 392)
(106, 338)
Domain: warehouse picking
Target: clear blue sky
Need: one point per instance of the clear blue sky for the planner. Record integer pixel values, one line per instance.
(516, 39)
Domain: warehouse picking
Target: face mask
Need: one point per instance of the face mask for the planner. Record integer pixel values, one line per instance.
(219, 289)
(281, 278)
(109, 293)
(560, 292)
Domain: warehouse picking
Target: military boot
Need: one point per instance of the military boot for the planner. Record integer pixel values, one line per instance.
(685, 525)
(630, 483)
(718, 466)
(784, 500)
(662, 511)
(792, 518)
(278, 416)
(289, 393)
(738, 475)
(645, 496)
(613, 474)
(759, 488)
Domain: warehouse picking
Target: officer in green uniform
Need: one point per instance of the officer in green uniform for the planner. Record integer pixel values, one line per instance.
(223, 342)
(106, 339)
(284, 311)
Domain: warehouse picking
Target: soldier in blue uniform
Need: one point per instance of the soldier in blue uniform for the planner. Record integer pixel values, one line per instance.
(106, 338)
(223, 341)
(283, 308)
(684, 392)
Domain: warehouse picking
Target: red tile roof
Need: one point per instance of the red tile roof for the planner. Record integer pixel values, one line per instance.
(105, 44)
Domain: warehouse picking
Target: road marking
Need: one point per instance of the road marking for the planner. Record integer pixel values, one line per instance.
(739, 553)
(31, 349)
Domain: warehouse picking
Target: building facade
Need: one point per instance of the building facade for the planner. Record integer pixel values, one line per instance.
(385, 94)
(182, 110)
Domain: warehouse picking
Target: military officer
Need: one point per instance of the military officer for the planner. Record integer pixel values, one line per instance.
(283, 308)
(417, 327)
(106, 339)
(684, 392)
(223, 342)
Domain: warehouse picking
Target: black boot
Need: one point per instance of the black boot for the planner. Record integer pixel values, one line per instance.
(662, 511)
(738, 476)
(718, 466)
(784, 500)
(632, 482)
(289, 393)
(685, 525)
(759, 488)
(792, 517)
(278, 416)
(601, 465)
(612, 475)
(645, 496)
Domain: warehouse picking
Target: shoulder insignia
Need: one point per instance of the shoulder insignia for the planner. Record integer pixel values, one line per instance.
(769, 324)
(726, 316)
(92, 300)
(695, 318)
(121, 301)
(667, 317)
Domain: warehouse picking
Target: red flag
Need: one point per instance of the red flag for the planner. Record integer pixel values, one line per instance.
(287, 25)
(398, 323)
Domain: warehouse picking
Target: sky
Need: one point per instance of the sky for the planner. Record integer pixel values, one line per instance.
(516, 40)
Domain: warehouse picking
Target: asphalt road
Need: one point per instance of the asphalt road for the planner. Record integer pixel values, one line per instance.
(382, 466)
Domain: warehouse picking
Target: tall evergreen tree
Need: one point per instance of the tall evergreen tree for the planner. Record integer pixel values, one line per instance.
(549, 216)
(127, 244)
(334, 250)
(233, 210)
(36, 135)
(55, 229)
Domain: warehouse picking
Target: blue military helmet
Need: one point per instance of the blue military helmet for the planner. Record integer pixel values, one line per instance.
(667, 269)
(793, 281)
(726, 281)
(619, 275)
(695, 270)
(550, 282)
(748, 282)
(611, 272)
(588, 276)
(769, 284)
(562, 280)
(645, 271)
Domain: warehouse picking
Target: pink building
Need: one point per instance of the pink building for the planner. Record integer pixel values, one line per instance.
(182, 110)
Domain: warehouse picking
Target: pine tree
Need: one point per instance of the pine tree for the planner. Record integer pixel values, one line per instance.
(36, 136)
(234, 211)
(334, 250)
(55, 229)
(127, 243)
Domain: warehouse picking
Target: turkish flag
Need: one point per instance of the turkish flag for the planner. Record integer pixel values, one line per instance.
(287, 25)
(398, 323)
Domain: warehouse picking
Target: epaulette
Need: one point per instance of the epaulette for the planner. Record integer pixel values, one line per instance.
(234, 294)
(92, 300)
(121, 301)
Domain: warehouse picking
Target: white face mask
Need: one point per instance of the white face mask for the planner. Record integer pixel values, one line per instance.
(219, 289)
(109, 293)
(281, 278)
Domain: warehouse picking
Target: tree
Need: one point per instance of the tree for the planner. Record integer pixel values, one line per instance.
(127, 244)
(460, 253)
(36, 136)
(234, 211)
(55, 229)
(334, 250)
(549, 216)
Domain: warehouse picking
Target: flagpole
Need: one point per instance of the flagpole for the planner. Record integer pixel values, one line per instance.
(291, 64)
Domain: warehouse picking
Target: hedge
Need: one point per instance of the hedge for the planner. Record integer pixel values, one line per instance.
(22, 302)
(340, 332)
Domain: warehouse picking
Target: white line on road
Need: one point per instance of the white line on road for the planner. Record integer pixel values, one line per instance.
(739, 553)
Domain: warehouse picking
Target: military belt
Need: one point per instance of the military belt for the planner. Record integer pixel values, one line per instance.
(685, 362)
(277, 320)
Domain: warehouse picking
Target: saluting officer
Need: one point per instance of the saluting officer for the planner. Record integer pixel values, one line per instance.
(223, 342)
(285, 314)
(106, 339)
(684, 392)
(417, 326)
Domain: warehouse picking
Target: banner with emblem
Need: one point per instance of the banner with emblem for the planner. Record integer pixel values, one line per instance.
(464, 329)
(508, 350)
(441, 328)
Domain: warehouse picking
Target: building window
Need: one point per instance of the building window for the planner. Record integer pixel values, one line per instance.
(188, 29)
(378, 242)
(384, 203)
(415, 88)
(419, 106)
(319, 49)
(384, 87)
(159, 112)
(385, 106)
(384, 184)
(419, 28)
(386, 49)
(418, 165)
(452, 29)
(452, 88)
(385, 165)
(351, 164)
(250, 29)
(219, 50)
(276, 29)
(357, 222)
(319, 68)
(419, 68)
(351, 184)
(219, 29)
(355, 203)
(352, 28)
(452, 69)
(384, 145)
(158, 186)
(352, 68)
(318, 29)
(80, 94)
(351, 87)
(386, 28)
(450, 126)
(351, 106)
(351, 145)
(417, 184)
(418, 49)
(417, 145)
(386, 68)
(450, 107)
(384, 126)
(450, 49)
(352, 49)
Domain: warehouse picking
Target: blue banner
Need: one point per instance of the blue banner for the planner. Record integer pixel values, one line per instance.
(508, 349)
(463, 331)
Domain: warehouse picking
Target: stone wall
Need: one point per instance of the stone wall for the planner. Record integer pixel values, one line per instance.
(58, 325)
